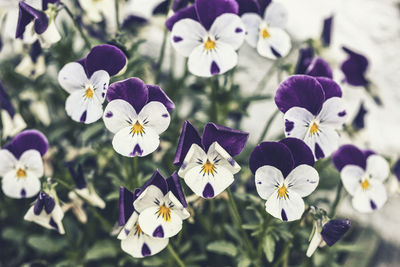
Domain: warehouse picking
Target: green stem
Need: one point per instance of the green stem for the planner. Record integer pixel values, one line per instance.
(238, 220)
(135, 172)
(117, 14)
(214, 100)
(264, 81)
(78, 27)
(267, 126)
(337, 200)
(175, 255)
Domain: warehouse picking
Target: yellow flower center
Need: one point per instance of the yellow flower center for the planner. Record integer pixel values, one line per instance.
(365, 184)
(282, 192)
(208, 168)
(139, 230)
(21, 173)
(89, 92)
(314, 128)
(164, 212)
(209, 44)
(137, 128)
(265, 34)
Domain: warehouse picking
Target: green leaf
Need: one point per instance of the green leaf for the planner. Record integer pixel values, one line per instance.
(244, 262)
(12, 234)
(100, 250)
(269, 247)
(223, 248)
(45, 244)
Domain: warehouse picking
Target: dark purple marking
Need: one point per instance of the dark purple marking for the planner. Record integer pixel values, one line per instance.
(177, 39)
(109, 114)
(259, 182)
(126, 231)
(103, 94)
(83, 117)
(183, 166)
(215, 68)
(158, 232)
(373, 204)
(53, 224)
(319, 154)
(23, 193)
(231, 161)
(208, 191)
(283, 215)
(238, 30)
(165, 115)
(137, 151)
(342, 114)
(145, 250)
(289, 125)
(275, 52)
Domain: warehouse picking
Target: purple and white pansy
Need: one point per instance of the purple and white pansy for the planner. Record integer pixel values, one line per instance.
(47, 212)
(206, 163)
(21, 164)
(312, 66)
(208, 33)
(314, 111)
(137, 113)
(87, 82)
(264, 27)
(284, 175)
(363, 173)
(36, 24)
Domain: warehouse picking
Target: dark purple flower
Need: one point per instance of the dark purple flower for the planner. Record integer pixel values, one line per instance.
(359, 120)
(35, 51)
(5, 101)
(27, 14)
(126, 199)
(44, 201)
(396, 169)
(334, 230)
(326, 35)
(354, 68)
(26, 140)
(319, 68)
(77, 174)
(306, 55)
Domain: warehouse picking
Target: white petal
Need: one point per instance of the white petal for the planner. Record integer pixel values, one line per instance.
(91, 196)
(252, 23)
(40, 110)
(129, 226)
(7, 162)
(324, 143)
(303, 180)
(371, 199)
(267, 178)
(205, 63)
(32, 161)
(333, 112)
(314, 243)
(147, 198)
(43, 218)
(351, 176)
(100, 80)
(11, 126)
(276, 15)
(136, 245)
(177, 207)
(378, 167)
(219, 154)
(50, 36)
(82, 109)
(286, 209)
(31, 69)
(195, 152)
(229, 28)
(26, 187)
(296, 121)
(131, 145)
(118, 115)
(151, 222)
(275, 46)
(72, 77)
(155, 115)
(186, 35)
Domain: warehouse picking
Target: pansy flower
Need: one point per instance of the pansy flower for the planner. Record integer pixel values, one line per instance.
(38, 23)
(46, 212)
(359, 120)
(326, 35)
(362, 174)
(206, 163)
(21, 164)
(327, 233)
(208, 33)
(137, 113)
(87, 82)
(312, 66)
(12, 121)
(264, 27)
(354, 68)
(314, 111)
(284, 175)
(33, 64)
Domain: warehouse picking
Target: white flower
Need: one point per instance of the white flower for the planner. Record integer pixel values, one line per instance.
(97, 9)
(11, 126)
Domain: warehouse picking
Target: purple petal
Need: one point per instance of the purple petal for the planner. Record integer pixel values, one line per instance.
(334, 230)
(233, 141)
(208, 11)
(5, 101)
(189, 136)
(354, 68)
(43, 201)
(133, 21)
(248, 6)
(161, 8)
(273, 154)
(26, 140)
(126, 199)
(305, 57)
(28, 14)
(300, 91)
(319, 68)
(348, 154)
(157, 94)
(368, 152)
(45, 3)
(185, 13)
(327, 31)
(157, 180)
(359, 120)
(175, 187)
(263, 5)
(179, 4)
(53, 223)
(105, 57)
(396, 169)
(77, 174)
(35, 51)
(208, 191)
(132, 90)
(330, 87)
(301, 152)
